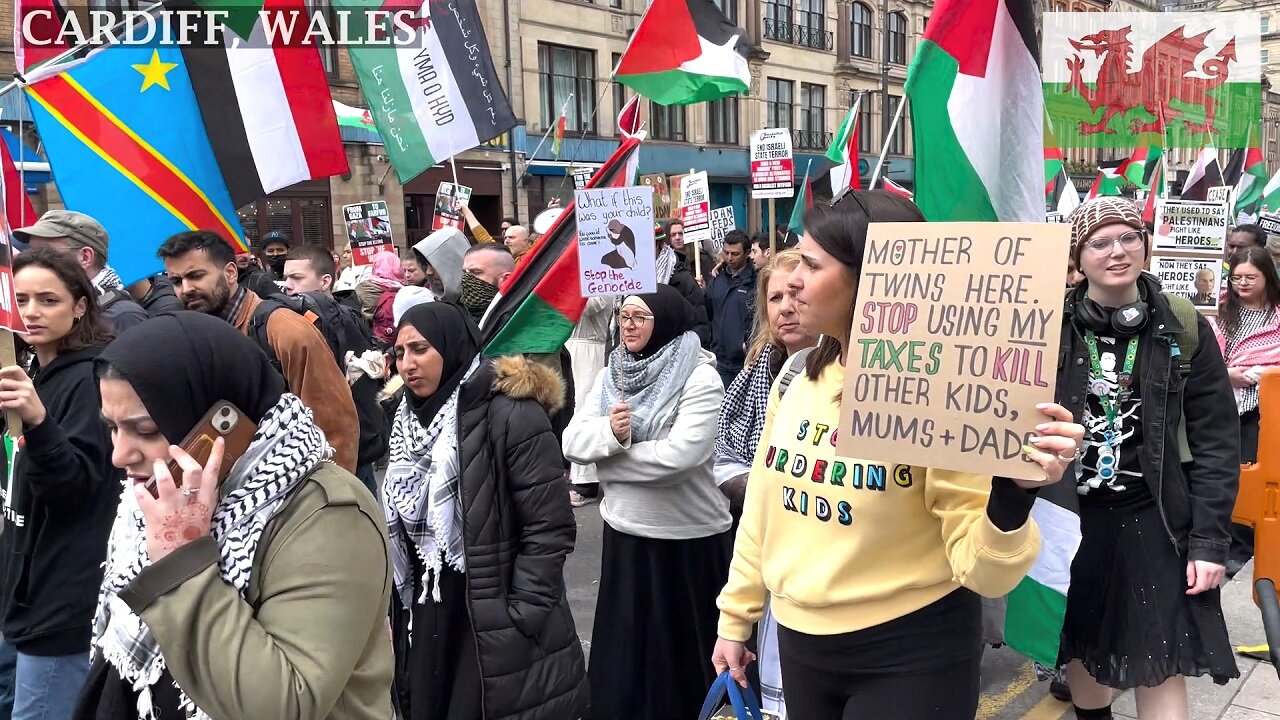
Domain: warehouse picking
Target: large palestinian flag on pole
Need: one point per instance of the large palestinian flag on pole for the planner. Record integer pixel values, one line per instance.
(434, 99)
(978, 113)
(266, 106)
(1108, 77)
(684, 52)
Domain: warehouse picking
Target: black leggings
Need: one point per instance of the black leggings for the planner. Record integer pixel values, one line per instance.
(906, 669)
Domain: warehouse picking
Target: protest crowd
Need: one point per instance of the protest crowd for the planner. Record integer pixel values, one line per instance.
(830, 457)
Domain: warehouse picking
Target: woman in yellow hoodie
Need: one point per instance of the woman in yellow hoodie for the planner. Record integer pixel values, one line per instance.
(873, 571)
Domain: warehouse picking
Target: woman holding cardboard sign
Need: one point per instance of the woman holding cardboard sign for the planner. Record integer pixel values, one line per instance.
(876, 591)
(1155, 484)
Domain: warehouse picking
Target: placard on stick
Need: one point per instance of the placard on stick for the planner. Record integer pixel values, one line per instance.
(722, 221)
(1191, 226)
(954, 342)
(695, 207)
(1198, 279)
(616, 254)
(449, 201)
(368, 230)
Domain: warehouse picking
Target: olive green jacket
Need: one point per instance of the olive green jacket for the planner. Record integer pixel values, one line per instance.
(311, 640)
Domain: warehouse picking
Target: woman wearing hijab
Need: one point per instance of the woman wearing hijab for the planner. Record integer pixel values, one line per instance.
(480, 525)
(648, 424)
(263, 596)
(62, 493)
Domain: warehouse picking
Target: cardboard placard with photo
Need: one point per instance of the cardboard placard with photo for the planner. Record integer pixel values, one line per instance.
(616, 253)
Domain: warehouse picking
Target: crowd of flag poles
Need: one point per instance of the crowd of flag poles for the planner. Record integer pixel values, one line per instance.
(156, 140)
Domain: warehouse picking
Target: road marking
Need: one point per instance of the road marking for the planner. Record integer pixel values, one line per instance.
(1049, 708)
(989, 706)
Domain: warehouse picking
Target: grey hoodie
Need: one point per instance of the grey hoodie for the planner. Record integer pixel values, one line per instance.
(443, 251)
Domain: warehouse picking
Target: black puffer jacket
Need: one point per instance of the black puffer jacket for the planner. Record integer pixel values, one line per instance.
(518, 528)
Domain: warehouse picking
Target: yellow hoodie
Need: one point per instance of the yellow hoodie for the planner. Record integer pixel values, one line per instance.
(843, 544)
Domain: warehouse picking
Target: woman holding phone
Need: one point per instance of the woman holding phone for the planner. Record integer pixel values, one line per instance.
(260, 595)
(59, 505)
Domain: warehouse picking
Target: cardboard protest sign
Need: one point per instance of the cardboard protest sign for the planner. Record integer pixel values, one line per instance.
(616, 253)
(661, 194)
(1269, 223)
(695, 207)
(582, 176)
(1191, 226)
(449, 201)
(954, 342)
(368, 230)
(1197, 279)
(1055, 217)
(1220, 194)
(772, 167)
(722, 222)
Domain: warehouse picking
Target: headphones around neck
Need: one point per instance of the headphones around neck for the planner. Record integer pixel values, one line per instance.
(1125, 321)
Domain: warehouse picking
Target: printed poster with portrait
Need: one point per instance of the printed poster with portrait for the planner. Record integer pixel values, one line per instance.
(616, 254)
(1198, 279)
(449, 201)
(368, 230)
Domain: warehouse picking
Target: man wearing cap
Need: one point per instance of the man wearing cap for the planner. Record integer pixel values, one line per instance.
(275, 247)
(72, 232)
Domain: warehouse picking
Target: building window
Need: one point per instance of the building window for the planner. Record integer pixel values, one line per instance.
(729, 8)
(722, 121)
(898, 141)
(328, 51)
(667, 121)
(1266, 24)
(1266, 56)
(563, 71)
(860, 37)
(615, 4)
(777, 21)
(866, 122)
(813, 117)
(619, 91)
(812, 19)
(779, 103)
(897, 38)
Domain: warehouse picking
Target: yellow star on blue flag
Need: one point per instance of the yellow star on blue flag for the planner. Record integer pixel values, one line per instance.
(154, 72)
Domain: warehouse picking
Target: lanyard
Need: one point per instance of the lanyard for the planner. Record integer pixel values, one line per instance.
(1125, 377)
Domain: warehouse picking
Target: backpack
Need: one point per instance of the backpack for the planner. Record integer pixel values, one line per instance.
(342, 328)
(112, 297)
(1185, 351)
(795, 365)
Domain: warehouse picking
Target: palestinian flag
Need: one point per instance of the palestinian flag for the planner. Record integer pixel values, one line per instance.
(1206, 173)
(1109, 181)
(266, 105)
(628, 126)
(13, 196)
(1271, 194)
(1249, 180)
(1155, 193)
(796, 223)
(979, 113)
(1137, 169)
(685, 52)
(433, 99)
(844, 153)
(540, 303)
(1037, 606)
(897, 189)
(1053, 167)
(1063, 196)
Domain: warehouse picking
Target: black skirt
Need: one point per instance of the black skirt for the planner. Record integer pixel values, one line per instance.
(1129, 619)
(443, 668)
(655, 625)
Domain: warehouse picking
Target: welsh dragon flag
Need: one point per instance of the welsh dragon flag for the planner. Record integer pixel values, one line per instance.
(978, 113)
(437, 98)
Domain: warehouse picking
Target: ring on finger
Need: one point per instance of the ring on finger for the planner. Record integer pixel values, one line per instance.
(187, 490)
(1073, 457)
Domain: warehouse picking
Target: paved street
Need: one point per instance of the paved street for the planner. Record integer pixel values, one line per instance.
(1009, 687)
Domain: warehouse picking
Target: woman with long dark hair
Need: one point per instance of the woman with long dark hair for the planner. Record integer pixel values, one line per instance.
(480, 528)
(58, 509)
(257, 590)
(877, 602)
(1248, 333)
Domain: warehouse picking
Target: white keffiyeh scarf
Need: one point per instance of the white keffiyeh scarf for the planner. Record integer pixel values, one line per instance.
(107, 280)
(666, 264)
(421, 496)
(286, 449)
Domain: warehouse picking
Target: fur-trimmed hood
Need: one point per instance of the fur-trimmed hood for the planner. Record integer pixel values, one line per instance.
(520, 378)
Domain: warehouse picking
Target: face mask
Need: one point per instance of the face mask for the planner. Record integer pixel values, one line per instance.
(277, 266)
(476, 295)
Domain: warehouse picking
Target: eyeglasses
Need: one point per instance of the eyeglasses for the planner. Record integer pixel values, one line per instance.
(1244, 279)
(1128, 241)
(637, 320)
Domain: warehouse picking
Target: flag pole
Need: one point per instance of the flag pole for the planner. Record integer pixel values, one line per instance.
(22, 177)
(20, 81)
(545, 135)
(884, 149)
(454, 166)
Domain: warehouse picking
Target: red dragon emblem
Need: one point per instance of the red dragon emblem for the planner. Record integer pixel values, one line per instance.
(1166, 75)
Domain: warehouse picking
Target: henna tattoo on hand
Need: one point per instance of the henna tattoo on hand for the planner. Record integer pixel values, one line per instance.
(183, 525)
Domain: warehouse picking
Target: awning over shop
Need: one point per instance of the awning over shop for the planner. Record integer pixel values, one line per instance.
(34, 170)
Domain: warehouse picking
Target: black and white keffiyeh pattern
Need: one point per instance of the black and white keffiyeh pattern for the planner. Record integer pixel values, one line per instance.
(421, 496)
(286, 449)
(666, 264)
(107, 280)
(742, 415)
(651, 386)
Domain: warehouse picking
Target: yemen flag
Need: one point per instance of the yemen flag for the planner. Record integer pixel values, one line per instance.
(266, 103)
(540, 303)
(684, 52)
(796, 223)
(844, 153)
(1206, 173)
(128, 145)
(435, 98)
(979, 113)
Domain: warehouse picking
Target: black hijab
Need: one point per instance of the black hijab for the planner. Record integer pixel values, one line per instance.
(453, 334)
(181, 364)
(672, 317)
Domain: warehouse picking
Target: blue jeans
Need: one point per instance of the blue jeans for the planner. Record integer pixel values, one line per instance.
(8, 666)
(366, 476)
(47, 688)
